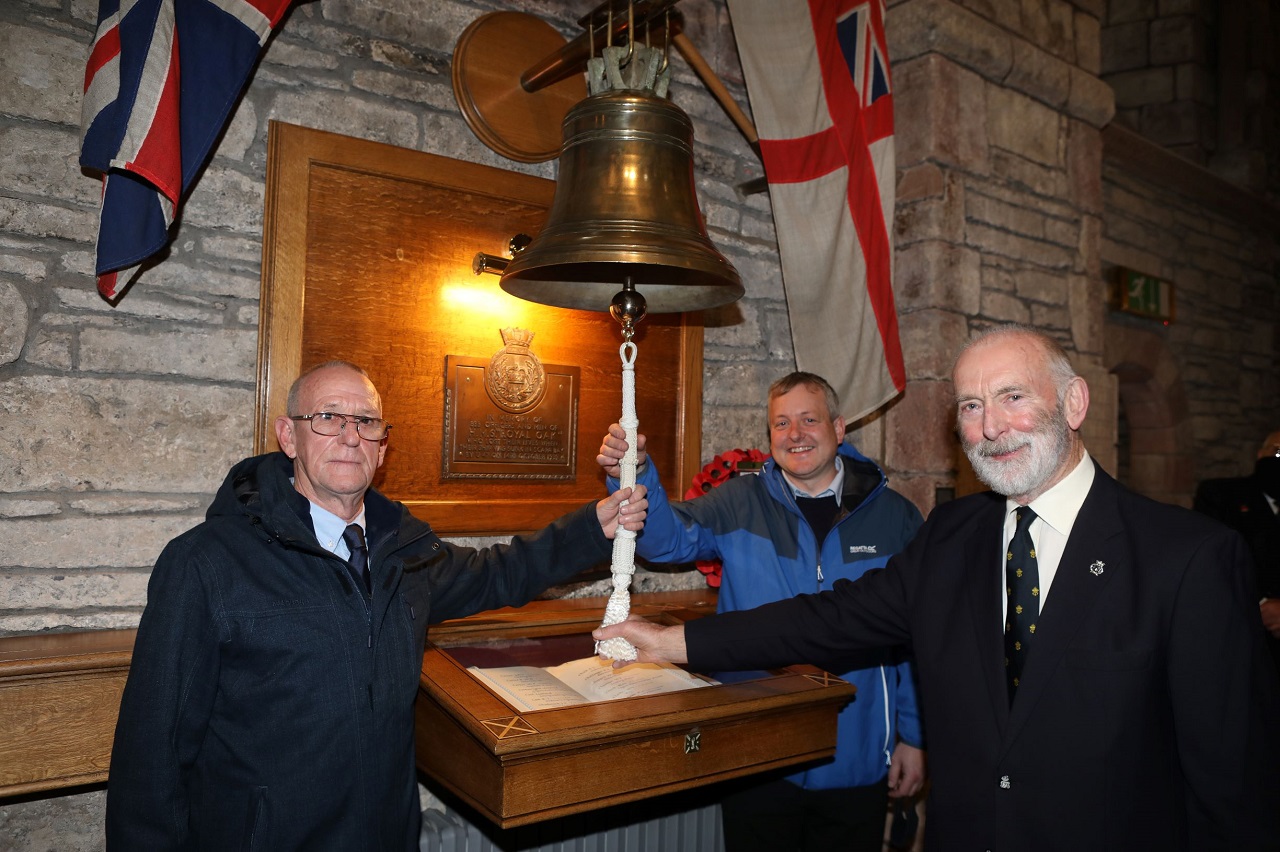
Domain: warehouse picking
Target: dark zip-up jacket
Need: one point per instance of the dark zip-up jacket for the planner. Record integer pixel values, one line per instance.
(270, 703)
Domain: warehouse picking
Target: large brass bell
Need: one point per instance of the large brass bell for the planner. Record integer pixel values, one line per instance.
(625, 211)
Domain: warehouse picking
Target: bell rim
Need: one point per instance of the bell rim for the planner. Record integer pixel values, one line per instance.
(660, 298)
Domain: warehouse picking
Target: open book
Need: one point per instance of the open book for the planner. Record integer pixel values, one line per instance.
(583, 681)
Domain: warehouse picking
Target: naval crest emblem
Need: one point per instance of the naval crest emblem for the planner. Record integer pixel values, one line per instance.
(515, 379)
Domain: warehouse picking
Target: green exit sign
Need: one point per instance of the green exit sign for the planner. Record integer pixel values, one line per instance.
(1144, 295)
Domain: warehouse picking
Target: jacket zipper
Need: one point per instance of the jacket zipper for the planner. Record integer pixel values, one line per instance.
(888, 723)
(366, 602)
(841, 514)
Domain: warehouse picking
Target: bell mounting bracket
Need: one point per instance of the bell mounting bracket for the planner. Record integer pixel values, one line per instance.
(515, 77)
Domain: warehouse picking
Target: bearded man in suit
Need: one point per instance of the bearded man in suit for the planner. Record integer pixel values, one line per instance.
(1092, 672)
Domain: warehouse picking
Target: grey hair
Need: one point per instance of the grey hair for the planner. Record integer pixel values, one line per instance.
(1055, 357)
(295, 389)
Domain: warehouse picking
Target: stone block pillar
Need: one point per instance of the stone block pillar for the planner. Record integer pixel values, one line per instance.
(998, 111)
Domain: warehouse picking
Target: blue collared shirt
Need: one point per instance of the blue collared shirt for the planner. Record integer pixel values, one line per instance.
(835, 489)
(329, 528)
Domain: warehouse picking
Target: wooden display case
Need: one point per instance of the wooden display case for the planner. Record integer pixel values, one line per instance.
(522, 767)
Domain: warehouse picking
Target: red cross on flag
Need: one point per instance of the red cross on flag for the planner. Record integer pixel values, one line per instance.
(817, 74)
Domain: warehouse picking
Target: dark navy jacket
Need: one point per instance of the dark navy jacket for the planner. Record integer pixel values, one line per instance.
(269, 705)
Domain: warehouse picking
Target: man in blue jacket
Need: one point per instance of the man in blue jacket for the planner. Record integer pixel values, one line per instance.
(270, 700)
(818, 512)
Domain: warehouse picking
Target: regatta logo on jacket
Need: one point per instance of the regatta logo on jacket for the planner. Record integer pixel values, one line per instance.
(862, 548)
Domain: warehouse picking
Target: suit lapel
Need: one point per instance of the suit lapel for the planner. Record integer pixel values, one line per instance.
(1096, 552)
(1261, 510)
(985, 583)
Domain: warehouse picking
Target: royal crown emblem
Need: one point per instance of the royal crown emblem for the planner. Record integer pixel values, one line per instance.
(515, 379)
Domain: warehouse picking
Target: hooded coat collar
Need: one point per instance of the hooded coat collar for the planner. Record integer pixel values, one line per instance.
(259, 488)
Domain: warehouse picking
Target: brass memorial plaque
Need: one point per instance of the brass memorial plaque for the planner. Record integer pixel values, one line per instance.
(510, 417)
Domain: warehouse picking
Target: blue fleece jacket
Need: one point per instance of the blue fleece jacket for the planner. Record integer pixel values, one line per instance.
(753, 525)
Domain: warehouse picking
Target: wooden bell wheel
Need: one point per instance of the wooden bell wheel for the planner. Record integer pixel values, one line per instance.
(491, 55)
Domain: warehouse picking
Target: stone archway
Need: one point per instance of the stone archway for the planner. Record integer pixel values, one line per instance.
(1157, 445)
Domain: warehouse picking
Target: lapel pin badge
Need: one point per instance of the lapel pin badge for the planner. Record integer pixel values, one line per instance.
(1096, 568)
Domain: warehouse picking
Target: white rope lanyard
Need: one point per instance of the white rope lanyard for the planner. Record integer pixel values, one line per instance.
(624, 540)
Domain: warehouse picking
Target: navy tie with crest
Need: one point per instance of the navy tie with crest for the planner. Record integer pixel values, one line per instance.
(1022, 585)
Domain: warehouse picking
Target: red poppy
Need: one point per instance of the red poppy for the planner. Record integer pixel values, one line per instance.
(717, 471)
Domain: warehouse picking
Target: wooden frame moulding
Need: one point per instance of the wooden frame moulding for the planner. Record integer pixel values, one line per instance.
(59, 698)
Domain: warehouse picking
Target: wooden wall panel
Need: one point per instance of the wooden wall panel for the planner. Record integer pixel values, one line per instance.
(367, 256)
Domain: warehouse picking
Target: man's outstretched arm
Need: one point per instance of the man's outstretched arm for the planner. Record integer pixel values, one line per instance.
(653, 643)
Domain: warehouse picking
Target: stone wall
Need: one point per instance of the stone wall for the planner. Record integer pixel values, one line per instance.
(1206, 387)
(1159, 58)
(1201, 78)
(998, 109)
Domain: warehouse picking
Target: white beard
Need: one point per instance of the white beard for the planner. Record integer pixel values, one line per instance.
(1049, 443)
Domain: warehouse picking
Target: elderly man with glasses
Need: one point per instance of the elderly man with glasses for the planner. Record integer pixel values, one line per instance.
(270, 700)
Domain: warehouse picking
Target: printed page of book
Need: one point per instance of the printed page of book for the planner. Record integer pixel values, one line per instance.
(599, 681)
(583, 681)
(529, 687)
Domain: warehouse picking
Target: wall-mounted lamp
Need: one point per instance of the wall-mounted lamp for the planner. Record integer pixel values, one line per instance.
(495, 265)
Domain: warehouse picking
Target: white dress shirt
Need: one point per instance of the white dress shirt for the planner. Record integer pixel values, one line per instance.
(1056, 511)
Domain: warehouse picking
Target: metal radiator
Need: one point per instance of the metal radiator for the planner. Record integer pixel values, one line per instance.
(636, 827)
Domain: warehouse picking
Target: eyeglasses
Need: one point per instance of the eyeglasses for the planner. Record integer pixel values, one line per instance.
(331, 423)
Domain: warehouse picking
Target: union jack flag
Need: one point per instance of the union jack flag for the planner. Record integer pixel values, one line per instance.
(151, 111)
(818, 77)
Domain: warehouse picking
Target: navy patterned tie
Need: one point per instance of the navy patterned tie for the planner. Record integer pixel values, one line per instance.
(1022, 585)
(358, 564)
